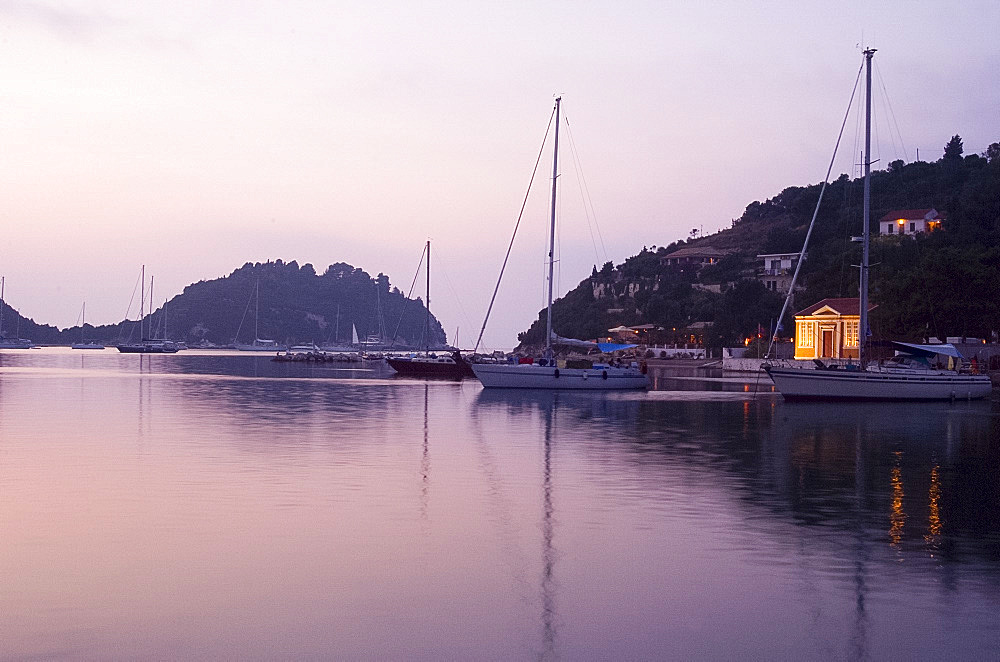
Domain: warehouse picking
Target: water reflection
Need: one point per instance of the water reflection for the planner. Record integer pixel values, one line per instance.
(300, 515)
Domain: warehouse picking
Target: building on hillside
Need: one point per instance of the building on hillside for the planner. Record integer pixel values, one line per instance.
(910, 221)
(692, 256)
(828, 329)
(777, 270)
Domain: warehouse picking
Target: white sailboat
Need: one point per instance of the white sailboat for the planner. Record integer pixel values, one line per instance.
(909, 375)
(85, 344)
(546, 373)
(259, 344)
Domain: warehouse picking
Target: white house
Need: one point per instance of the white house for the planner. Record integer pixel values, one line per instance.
(910, 221)
(776, 274)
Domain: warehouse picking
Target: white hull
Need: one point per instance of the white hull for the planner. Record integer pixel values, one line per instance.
(505, 375)
(806, 384)
(16, 343)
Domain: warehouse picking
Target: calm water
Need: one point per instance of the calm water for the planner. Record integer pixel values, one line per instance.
(223, 506)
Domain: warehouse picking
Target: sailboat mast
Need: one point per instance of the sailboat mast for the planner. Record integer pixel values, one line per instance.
(142, 299)
(427, 306)
(552, 236)
(865, 230)
(151, 307)
(256, 311)
(3, 303)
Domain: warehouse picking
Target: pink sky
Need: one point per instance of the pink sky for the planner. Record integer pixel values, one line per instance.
(195, 137)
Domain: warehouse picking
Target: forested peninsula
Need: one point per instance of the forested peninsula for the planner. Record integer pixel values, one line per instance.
(295, 304)
(934, 284)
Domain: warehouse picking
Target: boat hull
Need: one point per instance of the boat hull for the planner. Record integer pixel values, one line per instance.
(147, 349)
(806, 384)
(505, 375)
(87, 345)
(423, 367)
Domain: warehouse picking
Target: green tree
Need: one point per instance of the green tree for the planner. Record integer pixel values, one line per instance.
(953, 150)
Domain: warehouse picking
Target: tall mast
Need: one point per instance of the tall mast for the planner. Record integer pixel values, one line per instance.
(552, 236)
(3, 303)
(142, 299)
(427, 306)
(865, 231)
(256, 311)
(151, 306)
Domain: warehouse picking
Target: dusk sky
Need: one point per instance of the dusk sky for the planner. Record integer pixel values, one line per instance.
(195, 137)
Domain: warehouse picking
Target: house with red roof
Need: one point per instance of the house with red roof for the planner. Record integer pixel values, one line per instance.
(910, 221)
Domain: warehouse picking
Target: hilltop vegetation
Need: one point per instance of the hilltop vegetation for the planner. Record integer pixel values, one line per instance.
(946, 283)
(296, 305)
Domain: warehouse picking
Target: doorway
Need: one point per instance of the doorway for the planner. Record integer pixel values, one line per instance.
(827, 343)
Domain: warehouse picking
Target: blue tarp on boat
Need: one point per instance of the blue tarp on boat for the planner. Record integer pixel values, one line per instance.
(608, 347)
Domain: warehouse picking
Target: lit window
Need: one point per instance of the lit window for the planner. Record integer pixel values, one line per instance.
(851, 334)
(806, 334)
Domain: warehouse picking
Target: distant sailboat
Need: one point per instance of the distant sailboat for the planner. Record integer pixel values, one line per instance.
(146, 345)
(259, 344)
(85, 344)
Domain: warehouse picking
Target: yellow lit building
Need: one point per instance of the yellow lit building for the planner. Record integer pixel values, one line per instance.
(828, 329)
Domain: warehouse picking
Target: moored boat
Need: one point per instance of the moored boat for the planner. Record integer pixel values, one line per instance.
(545, 373)
(909, 375)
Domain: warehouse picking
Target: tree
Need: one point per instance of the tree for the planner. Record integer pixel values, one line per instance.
(992, 153)
(953, 150)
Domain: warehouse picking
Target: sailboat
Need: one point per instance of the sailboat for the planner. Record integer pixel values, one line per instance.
(346, 353)
(259, 344)
(907, 376)
(427, 364)
(546, 373)
(147, 345)
(85, 344)
(10, 343)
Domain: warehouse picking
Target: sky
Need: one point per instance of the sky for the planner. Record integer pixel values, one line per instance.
(196, 137)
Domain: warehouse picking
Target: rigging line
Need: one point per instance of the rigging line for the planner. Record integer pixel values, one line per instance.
(588, 204)
(892, 113)
(412, 285)
(802, 253)
(454, 293)
(892, 138)
(121, 327)
(240, 327)
(514, 234)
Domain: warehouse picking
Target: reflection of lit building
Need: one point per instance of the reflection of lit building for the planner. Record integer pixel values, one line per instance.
(828, 329)
(897, 517)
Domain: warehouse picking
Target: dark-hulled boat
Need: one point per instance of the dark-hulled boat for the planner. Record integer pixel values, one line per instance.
(454, 366)
(427, 364)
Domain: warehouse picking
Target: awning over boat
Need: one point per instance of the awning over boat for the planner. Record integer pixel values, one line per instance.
(946, 349)
(608, 347)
